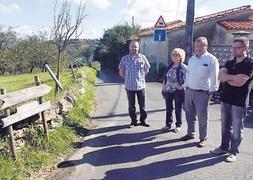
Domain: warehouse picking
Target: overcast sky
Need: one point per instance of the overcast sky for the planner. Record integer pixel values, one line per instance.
(31, 16)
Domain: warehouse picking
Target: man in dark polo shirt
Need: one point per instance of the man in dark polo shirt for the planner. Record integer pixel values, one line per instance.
(237, 77)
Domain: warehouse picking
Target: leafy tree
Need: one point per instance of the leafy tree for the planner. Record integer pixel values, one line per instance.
(23, 55)
(7, 40)
(114, 44)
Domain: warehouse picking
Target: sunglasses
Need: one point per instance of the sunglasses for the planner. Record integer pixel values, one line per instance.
(175, 55)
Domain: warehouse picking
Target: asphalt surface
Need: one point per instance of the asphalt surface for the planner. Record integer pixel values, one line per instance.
(114, 152)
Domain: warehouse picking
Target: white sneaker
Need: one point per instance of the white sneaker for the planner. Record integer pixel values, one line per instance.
(177, 130)
(231, 158)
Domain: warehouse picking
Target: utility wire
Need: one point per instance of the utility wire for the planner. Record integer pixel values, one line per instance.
(128, 8)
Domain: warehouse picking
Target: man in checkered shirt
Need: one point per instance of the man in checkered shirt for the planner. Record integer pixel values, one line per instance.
(133, 68)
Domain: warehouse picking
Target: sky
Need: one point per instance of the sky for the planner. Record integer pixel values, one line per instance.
(28, 17)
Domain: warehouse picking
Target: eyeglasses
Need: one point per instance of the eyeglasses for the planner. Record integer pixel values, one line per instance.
(175, 55)
(238, 47)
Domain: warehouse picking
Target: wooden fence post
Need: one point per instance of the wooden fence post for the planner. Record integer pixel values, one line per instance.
(10, 129)
(37, 83)
(72, 70)
(53, 76)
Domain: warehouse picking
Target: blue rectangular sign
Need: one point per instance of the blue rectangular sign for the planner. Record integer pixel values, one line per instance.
(160, 35)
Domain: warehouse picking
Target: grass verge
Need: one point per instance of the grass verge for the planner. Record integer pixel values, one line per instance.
(40, 151)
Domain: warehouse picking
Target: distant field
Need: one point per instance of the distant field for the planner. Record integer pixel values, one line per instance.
(20, 81)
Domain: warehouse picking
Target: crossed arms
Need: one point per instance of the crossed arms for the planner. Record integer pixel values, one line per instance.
(237, 80)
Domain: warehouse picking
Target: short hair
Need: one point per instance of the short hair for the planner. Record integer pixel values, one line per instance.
(181, 53)
(202, 40)
(243, 40)
(133, 41)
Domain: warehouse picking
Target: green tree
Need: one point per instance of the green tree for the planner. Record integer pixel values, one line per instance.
(8, 39)
(114, 44)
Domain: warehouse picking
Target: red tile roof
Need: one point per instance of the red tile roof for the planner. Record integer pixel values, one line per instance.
(237, 25)
(215, 16)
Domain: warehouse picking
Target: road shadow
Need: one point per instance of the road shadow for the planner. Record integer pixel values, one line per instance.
(165, 169)
(123, 154)
(102, 130)
(107, 84)
(121, 138)
(160, 169)
(110, 115)
(109, 77)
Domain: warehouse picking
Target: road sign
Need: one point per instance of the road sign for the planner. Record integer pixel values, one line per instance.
(160, 23)
(160, 35)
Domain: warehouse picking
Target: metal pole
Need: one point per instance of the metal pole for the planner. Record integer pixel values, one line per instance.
(188, 36)
(132, 21)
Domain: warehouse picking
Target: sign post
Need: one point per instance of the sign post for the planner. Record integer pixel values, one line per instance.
(159, 36)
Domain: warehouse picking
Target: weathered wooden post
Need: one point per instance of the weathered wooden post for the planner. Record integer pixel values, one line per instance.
(57, 83)
(37, 83)
(72, 70)
(10, 129)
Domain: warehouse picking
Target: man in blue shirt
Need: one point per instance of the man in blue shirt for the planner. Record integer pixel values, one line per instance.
(133, 68)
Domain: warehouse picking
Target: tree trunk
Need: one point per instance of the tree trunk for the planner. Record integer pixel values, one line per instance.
(31, 70)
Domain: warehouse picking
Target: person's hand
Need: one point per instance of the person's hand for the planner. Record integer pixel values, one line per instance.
(233, 83)
(210, 94)
(163, 88)
(180, 87)
(163, 94)
(240, 80)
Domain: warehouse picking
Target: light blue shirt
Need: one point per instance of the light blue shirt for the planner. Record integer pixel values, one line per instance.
(203, 72)
(134, 68)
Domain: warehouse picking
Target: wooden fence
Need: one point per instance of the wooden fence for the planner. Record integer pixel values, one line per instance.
(27, 103)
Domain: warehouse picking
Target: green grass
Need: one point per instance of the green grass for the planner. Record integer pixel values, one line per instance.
(85, 104)
(96, 65)
(39, 150)
(21, 81)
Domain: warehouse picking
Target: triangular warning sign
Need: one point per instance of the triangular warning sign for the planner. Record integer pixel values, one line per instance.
(160, 23)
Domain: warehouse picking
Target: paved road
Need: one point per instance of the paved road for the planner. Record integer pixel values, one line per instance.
(114, 152)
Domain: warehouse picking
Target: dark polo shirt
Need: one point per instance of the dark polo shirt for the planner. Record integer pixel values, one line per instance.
(238, 96)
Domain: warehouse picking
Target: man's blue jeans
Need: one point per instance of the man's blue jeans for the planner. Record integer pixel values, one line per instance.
(231, 127)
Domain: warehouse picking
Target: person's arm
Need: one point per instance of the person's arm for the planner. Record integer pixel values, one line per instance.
(122, 73)
(121, 68)
(163, 86)
(146, 66)
(237, 80)
(146, 71)
(214, 72)
(184, 76)
(185, 85)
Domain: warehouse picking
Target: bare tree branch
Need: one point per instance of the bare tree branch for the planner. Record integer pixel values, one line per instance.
(65, 27)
